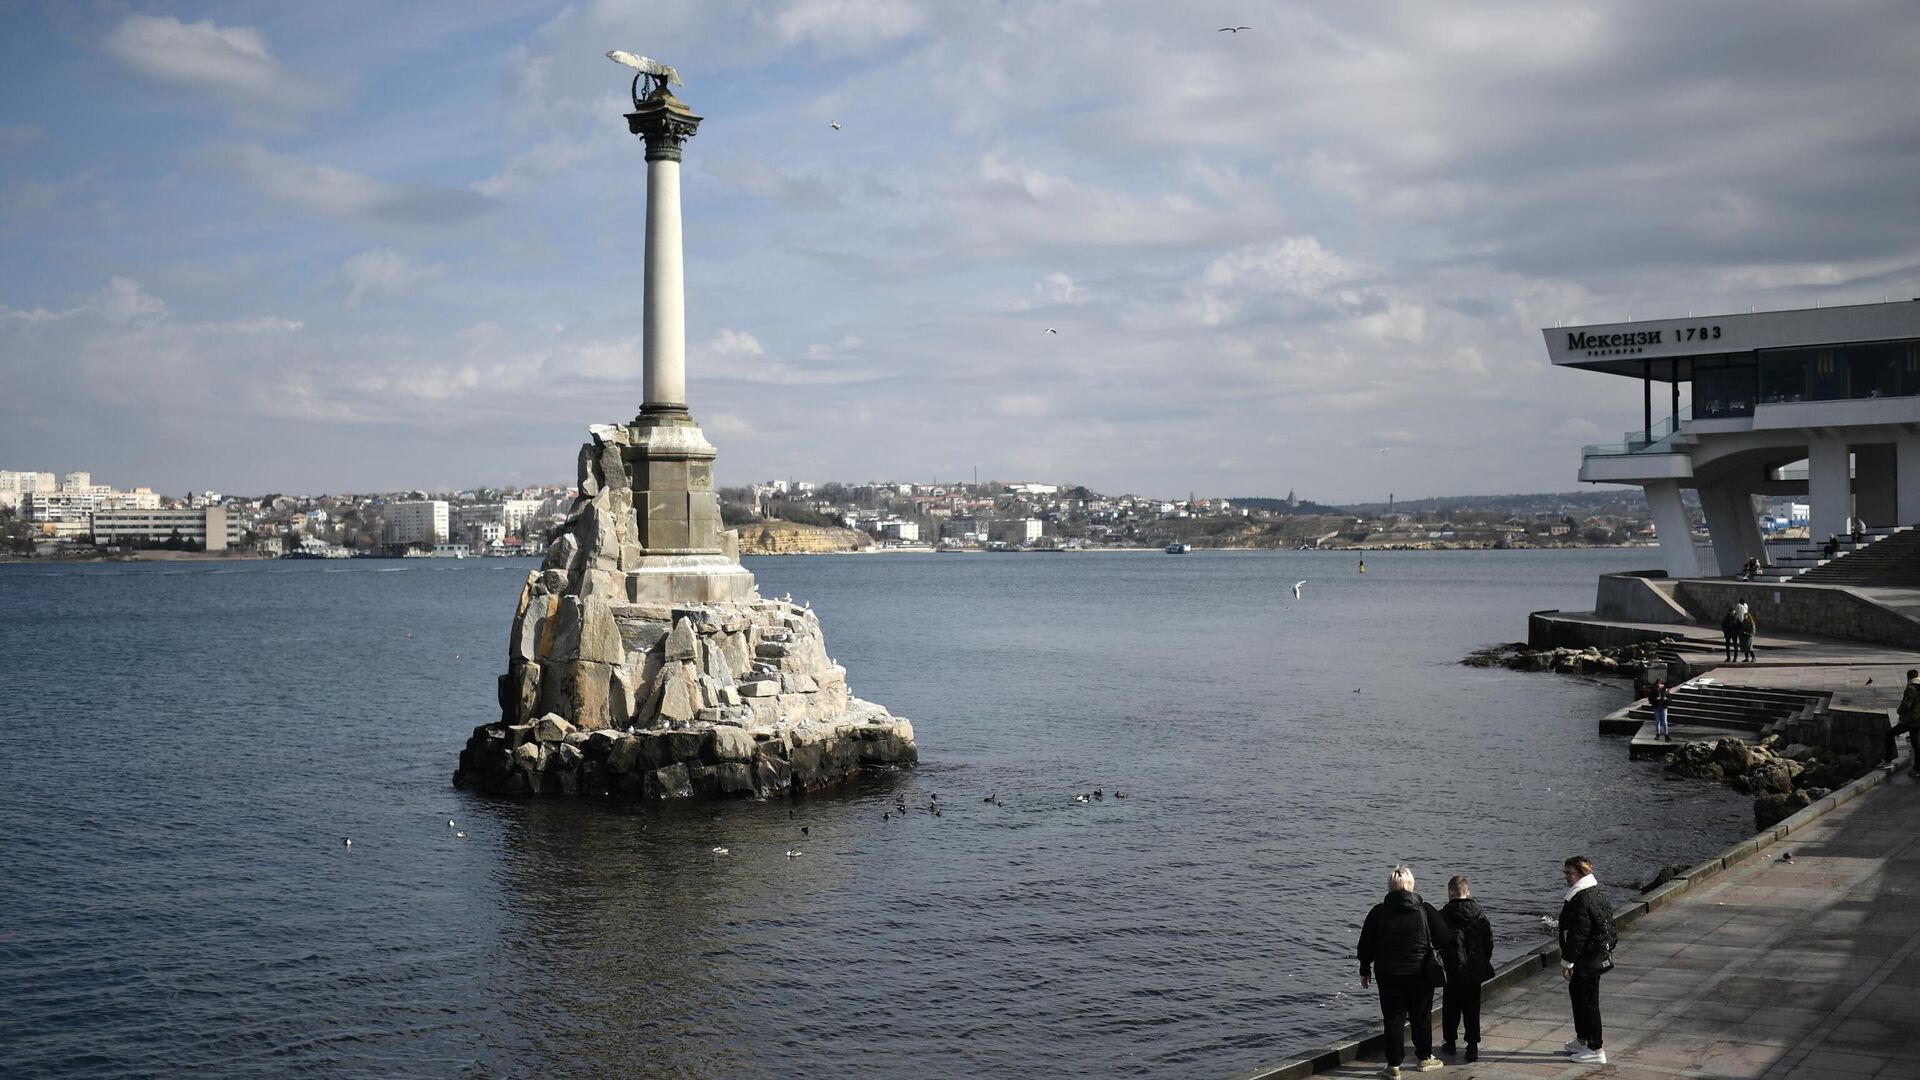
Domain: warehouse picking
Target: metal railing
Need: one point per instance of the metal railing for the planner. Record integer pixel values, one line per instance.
(1642, 442)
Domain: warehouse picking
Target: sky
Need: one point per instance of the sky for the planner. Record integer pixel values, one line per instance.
(352, 246)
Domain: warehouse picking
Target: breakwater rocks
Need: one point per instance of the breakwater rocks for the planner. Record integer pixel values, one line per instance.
(1782, 779)
(1625, 661)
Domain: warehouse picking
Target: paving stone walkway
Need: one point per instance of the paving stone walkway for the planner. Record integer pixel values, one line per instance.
(1775, 970)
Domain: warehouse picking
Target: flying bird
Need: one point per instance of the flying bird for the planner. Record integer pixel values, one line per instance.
(1232, 29)
(722, 851)
(1296, 589)
(835, 125)
(1051, 330)
(1383, 449)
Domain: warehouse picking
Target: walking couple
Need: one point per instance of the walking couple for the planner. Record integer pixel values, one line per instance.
(1410, 948)
(1737, 627)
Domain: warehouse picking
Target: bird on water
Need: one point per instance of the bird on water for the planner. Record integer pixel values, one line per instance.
(1296, 589)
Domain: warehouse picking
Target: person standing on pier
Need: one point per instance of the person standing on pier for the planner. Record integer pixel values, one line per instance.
(1730, 632)
(1747, 629)
(1397, 944)
(1469, 963)
(1586, 952)
(1909, 725)
(1658, 699)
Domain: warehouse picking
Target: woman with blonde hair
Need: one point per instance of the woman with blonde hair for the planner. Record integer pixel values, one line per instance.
(1398, 947)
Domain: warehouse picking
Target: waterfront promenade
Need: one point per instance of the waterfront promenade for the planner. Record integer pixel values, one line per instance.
(1806, 969)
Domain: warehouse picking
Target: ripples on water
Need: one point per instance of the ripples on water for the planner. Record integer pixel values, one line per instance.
(191, 743)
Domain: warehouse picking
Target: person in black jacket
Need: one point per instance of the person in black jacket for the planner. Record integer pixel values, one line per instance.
(1586, 940)
(1730, 632)
(1399, 934)
(1469, 963)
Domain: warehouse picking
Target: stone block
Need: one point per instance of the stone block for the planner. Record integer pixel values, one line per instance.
(587, 471)
(729, 744)
(563, 642)
(552, 728)
(562, 553)
(669, 782)
(665, 534)
(554, 581)
(733, 778)
(729, 695)
(714, 663)
(679, 700)
(529, 755)
(621, 699)
(666, 477)
(624, 754)
(613, 467)
(771, 775)
(592, 695)
(759, 688)
(600, 640)
(797, 684)
(681, 643)
(699, 475)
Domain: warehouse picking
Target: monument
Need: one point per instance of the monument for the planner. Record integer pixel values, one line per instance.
(642, 662)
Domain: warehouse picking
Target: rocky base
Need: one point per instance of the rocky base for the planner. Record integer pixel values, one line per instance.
(553, 757)
(1782, 780)
(643, 663)
(1626, 661)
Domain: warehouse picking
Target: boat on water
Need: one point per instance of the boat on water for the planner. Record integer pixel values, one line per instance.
(1179, 548)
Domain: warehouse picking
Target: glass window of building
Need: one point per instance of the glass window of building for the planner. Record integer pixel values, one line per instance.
(1723, 386)
(1783, 375)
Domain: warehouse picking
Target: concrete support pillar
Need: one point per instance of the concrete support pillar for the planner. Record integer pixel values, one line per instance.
(1751, 538)
(1906, 454)
(1670, 523)
(1731, 523)
(1875, 489)
(665, 352)
(1829, 488)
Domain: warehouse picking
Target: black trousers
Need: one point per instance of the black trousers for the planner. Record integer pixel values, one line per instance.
(1405, 998)
(1585, 992)
(1461, 1001)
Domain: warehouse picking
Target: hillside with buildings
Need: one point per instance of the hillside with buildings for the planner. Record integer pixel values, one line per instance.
(51, 515)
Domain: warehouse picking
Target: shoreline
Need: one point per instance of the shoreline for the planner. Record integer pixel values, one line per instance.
(1835, 668)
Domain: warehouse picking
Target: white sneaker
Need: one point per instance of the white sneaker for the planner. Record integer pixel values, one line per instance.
(1590, 1057)
(1574, 1046)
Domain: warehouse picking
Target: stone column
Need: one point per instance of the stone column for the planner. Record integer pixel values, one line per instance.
(666, 124)
(1670, 523)
(1829, 488)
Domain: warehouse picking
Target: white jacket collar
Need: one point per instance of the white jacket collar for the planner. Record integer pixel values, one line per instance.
(1587, 882)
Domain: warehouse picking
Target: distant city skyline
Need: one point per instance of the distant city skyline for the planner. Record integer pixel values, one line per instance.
(375, 248)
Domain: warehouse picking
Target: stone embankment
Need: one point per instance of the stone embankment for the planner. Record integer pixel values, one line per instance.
(776, 537)
(1782, 779)
(1625, 661)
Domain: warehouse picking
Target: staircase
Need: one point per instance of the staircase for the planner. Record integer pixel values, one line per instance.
(1712, 710)
(1884, 557)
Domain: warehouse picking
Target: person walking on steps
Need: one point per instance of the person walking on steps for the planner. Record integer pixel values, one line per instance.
(1908, 716)
(1747, 629)
(1469, 963)
(1587, 938)
(1397, 946)
(1658, 699)
(1730, 632)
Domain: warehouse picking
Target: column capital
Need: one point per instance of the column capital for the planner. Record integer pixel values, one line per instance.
(665, 122)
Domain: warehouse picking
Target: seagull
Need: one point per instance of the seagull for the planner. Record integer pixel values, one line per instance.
(449, 823)
(1383, 449)
(1296, 589)
(1080, 798)
(1232, 29)
(1051, 330)
(835, 125)
(1786, 856)
(722, 851)
(1118, 794)
(460, 836)
(794, 853)
(349, 842)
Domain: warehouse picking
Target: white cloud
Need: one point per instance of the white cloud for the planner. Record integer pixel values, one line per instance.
(231, 63)
(384, 274)
(531, 169)
(343, 194)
